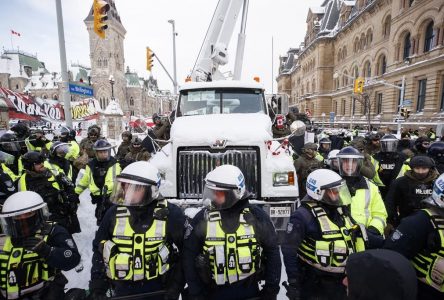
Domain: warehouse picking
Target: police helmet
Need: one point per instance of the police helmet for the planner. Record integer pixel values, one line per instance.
(324, 141)
(22, 214)
(9, 143)
(63, 132)
(389, 143)
(332, 160)
(21, 130)
(436, 151)
(224, 187)
(59, 149)
(32, 158)
(101, 146)
(350, 161)
(437, 197)
(327, 186)
(137, 185)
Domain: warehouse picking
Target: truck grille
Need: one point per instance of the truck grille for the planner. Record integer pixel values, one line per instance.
(194, 164)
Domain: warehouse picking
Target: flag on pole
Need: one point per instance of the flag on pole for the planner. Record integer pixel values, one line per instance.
(15, 32)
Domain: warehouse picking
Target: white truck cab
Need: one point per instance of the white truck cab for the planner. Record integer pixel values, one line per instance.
(227, 122)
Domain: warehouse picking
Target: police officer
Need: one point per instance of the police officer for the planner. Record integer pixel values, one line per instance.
(57, 161)
(124, 147)
(332, 161)
(407, 192)
(68, 135)
(320, 236)
(420, 237)
(62, 203)
(10, 145)
(389, 163)
(99, 176)
(368, 165)
(367, 207)
(37, 141)
(436, 152)
(231, 245)
(138, 243)
(87, 144)
(324, 147)
(7, 177)
(33, 251)
(21, 131)
(305, 164)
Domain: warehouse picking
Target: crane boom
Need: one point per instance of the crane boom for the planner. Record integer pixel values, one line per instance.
(214, 51)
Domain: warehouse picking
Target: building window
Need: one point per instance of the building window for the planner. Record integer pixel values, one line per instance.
(131, 101)
(399, 95)
(356, 72)
(378, 103)
(422, 84)
(386, 27)
(16, 86)
(343, 107)
(429, 37)
(367, 69)
(382, 65)
(411, 2)
(407, 46)
(442, 94)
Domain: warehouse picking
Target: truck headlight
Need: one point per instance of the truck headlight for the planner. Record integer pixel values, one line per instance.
(283, 179)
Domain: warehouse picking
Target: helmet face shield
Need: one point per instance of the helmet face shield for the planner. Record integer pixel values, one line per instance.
(11, 146)
(24, 225)
(389, 145)
(220, 198)
(61, 150)
(103, 155)
(350, 166)
(6, 158)
(133, 193)
(338, 195)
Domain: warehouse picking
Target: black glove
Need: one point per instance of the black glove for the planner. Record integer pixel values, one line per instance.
(269, 293)
(37, 245)
(97, 289)
(293, 290)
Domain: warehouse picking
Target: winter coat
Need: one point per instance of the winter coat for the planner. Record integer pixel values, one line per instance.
(137, 154)
(380, 274)
(123, 150)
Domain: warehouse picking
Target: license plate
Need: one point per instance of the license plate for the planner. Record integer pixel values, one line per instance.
(280, 211)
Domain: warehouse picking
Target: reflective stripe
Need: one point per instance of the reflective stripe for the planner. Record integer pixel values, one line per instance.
(367, 203)
(380, 220)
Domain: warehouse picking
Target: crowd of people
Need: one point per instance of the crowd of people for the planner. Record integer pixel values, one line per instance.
(368, 224)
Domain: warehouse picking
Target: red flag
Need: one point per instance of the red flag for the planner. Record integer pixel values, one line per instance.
(15, 32)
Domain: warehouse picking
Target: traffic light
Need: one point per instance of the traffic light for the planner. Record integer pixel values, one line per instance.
(149, 58)
(100, 10)
(359, 85)
(405, 113)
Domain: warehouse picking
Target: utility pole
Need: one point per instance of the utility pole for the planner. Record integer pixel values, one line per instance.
(401, 104)
(65, 93)
(172, 22)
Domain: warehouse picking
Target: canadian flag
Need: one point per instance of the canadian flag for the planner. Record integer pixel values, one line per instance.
(15, 32)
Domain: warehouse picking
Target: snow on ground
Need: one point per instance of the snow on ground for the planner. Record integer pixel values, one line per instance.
(84, 243)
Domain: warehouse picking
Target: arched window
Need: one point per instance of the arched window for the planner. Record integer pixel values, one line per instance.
(410, 2)
(429, 37)
(131, 101)
(345, 79)
(407, 46)
(55, 97)
(339, 55)
(382, 65)
(99, 63)
(344, 52)
(313, 85)
(356, 45)
(356, 72)
(369, 37)
(387, 25)
(367, 72)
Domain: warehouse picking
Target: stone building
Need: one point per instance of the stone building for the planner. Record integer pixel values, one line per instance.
(379, 40)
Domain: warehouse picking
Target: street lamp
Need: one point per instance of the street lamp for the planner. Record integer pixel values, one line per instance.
(173, 23)
(111, 81)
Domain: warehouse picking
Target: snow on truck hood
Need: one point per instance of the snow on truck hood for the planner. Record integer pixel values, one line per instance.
(235, 128)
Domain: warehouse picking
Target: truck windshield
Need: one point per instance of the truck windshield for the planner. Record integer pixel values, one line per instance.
(221, 101)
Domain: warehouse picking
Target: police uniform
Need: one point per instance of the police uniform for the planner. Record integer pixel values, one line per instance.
(30, 275)
(420, 238)
(227, 252)
(135, 247)
(7, 186)
(367, 206)
(389, 166)
(405, 195)
(318, 240)
(99, 177)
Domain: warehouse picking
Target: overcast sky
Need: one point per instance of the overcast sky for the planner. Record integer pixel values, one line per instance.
(146, 25)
